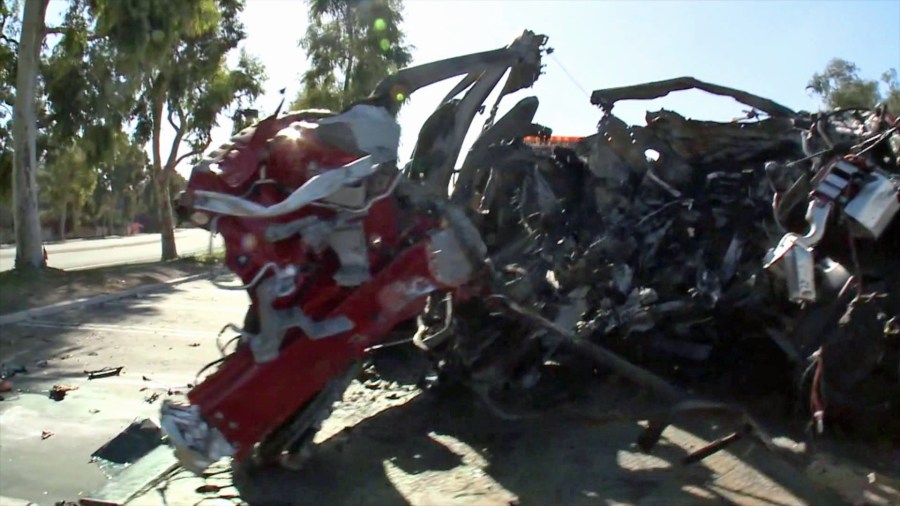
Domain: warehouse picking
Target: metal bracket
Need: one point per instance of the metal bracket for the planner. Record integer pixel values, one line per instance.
(274, 323)
(875, 205)
(794, 254)
(197, 444)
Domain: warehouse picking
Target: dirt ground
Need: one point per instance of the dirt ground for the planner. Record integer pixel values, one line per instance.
(390, 443)
(20, 291)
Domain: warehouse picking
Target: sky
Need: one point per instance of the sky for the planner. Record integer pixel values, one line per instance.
(767, 47)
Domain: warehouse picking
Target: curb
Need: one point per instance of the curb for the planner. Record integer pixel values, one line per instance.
(143, 241)
(83, 302)
(12, 501)
(84, 244)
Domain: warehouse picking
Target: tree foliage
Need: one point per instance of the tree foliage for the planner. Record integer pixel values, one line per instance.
(840, 86)
(126, 65)
(351, 45)
(9, 32)
(892, 97)
(67, 183)
(176, 53)
(121, 178)
(88, 93)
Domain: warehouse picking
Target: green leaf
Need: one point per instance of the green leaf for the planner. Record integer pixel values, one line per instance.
(840, 86)
(351, 45)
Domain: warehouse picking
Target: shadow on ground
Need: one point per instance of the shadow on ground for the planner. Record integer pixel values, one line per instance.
(62, 346)
(449, 450)
(26, 290)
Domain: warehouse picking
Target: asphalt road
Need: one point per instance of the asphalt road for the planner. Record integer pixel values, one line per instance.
(162, 341)
(88, 253)
(416, 454)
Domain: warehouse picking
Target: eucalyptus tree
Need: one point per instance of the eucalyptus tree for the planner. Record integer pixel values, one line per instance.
(839, 85)
(351, 46)
(29, 250)
(176, 56)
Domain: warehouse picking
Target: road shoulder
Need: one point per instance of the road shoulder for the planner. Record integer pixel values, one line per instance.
(27, 291)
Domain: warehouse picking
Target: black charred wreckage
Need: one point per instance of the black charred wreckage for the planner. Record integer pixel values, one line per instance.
(759, 253)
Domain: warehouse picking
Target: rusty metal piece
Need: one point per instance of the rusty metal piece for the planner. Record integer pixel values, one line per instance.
(646, 91)
(717, 445)
(598, 354)
(105, 372)
(58, 392)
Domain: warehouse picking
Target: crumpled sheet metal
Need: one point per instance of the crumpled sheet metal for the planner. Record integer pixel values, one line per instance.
(662, 229)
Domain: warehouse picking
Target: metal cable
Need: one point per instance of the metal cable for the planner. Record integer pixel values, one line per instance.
(253, 282)
(563, 68)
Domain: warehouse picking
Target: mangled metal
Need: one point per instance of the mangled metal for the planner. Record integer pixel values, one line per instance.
(681, 243)
(696, 249)
(335, 245)
(699, 232)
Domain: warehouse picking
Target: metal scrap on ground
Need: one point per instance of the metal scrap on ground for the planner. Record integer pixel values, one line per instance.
(58, 392)
(712, 263)
(702, 260)
(754, 255)
(104, 372)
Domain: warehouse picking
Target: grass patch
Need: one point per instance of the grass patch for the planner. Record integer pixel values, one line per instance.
(216, 258)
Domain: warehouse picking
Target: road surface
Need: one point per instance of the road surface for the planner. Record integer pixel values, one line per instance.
(384, 444)
(87, 253)
(162, 340)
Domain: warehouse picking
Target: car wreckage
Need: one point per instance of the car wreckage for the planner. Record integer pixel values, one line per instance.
(696, 249)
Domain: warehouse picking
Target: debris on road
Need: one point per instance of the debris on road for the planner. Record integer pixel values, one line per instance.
(137, 440)
(855, 484)
(161, 387)
(754, 256)
(105, 372)
(8, 370)
(208, 489)
(734, 254)
(58, 392)
(136, 460)
(698, 259)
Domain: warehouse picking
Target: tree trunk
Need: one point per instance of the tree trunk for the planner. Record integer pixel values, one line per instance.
(348, 70)
(161, 177)
(29, 247)
(111, 220)
(166, 218)
(76, 217)
(131, 206)
(63, 211)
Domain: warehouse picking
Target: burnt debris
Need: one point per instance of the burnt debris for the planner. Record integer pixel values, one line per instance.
(757, 255)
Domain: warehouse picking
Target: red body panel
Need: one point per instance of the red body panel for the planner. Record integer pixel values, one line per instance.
(245, 400)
